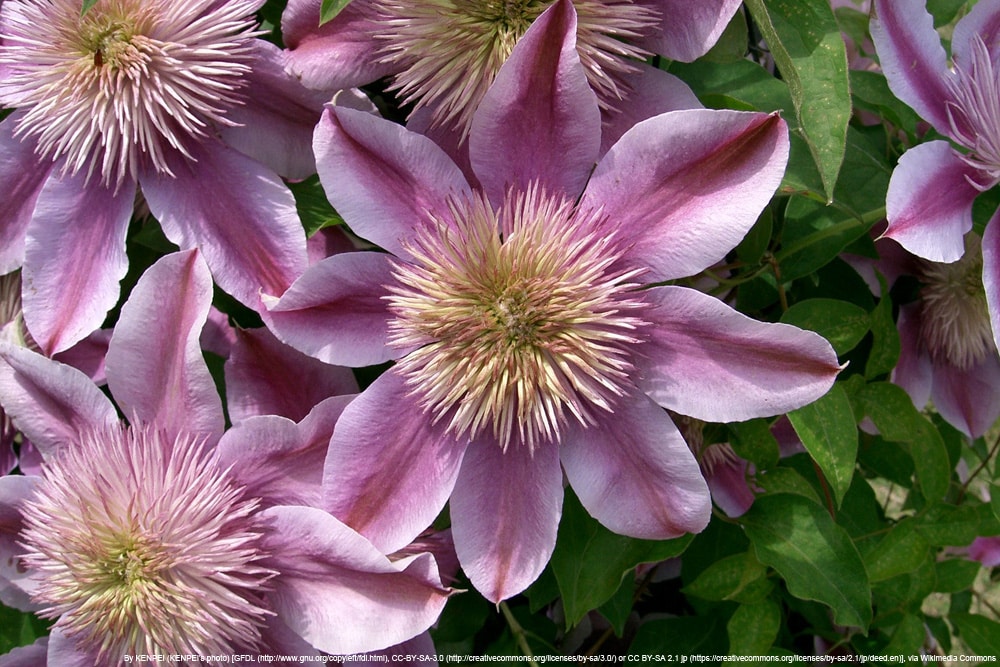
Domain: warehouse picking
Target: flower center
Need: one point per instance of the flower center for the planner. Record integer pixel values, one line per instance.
(143, 546)
(125, 85)
(517, 317)
(447, 52)
(955, 322)
(975, 113)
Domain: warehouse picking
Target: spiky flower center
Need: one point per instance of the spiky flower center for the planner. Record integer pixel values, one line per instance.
(127, 83)
(974, 113)
(516, 317)
(447, 52)
(955, 322)
(143, 546)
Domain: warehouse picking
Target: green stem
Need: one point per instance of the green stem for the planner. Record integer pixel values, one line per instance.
(519, 634)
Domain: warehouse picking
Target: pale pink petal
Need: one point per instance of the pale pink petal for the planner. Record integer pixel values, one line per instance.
(986, 550)
(635, 474)
(275, 125)
(62, 651)
(22, 176)
(688, 29)
(728, 483)
(336, 312)
(505, 510)
(685, 187)
(238, 213)
(156, 370)
(339, 53)
(539, 120)
(328, 241)
(88, 355)
(652, 92)
(929, 202)
(32, 655)
(390, 471)
(417, 651)
(451, 141)
(708, 361)
(338, 592)
(913, 371)
(912, 58)
(74, 259)
(218, 336)
(968, 399)
(279, 461)
(991, 273)
(15, 582)
(982, 20)
(381, 177)
(266, 377)
(51, 403)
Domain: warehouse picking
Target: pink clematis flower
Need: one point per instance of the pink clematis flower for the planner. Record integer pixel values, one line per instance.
(166, 536)
(525, 343)
(929, 202)
(176, 97)
(443, 56)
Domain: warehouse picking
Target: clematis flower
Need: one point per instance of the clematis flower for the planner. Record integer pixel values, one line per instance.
(164, 536)
(929, 202)
(444, 54)
(525, 339)
(986, 550)
(947, 354)
(176, 97)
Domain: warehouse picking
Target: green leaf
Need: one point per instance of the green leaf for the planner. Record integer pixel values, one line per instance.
(681, 635)
(840, 322)
(619, 607)
(980, 634)
(808, 49)
(741, 578)
(313, 206)
(18, 628)
(901, 551)
(955, 575)
(753, 628)
(732, 44)
(87, 4)
(590, 561)
(908, 637)
(885, 337)
(830, 435)
(815, 556)
(753, 441)
(898, 420)
(947, 525)
(787, 480)
(329, 9)
(995, 500)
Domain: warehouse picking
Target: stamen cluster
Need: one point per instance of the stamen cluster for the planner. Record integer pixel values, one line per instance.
(519, 317)
(975, 116)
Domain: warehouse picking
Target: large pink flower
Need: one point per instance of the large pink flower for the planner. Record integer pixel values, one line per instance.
(444, 54)
(525, 342)
(929, 202)
(166, 536)
(177, 97)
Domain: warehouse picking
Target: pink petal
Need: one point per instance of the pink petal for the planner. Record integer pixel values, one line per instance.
(730, 491)
(653, 92)
(238, 213)
(74, 259)
(968, 399)
(336, 312)
(338, 592)
(51, 403)
(986, 550)
(689, 29)
(635, 474)
(912, 58)
(417, 651)
(156, 370)
(32, 655)
(267, 377)
(539, 120)
(381, 177)
(218, 336)
(389, 471)
(708, 361)
(22, 176)
(991, 273)
(62, 651)
(982, 20)
(338, 54)
(505, 510)
(279, 461)
(686, 186)
(929, 202)
(275, 126)
(15, 582)
(913, 371)
(88, 355)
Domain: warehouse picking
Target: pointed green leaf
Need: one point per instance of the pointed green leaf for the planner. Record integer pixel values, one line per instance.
(995, 500)
(902, 550)
(814, 555)
(787, 480)
(753, 628)
(840, 322)
(87, 4)
(956, 575)
(741, 578)
(682, 635)
(590, 561)
(830, 435)
(329, 9)
(885, 337)
(907, 638)
(805, 40)
(979, 633)
(753, 441)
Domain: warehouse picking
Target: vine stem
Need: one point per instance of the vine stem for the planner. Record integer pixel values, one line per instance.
(979, 469)
(519, 634)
